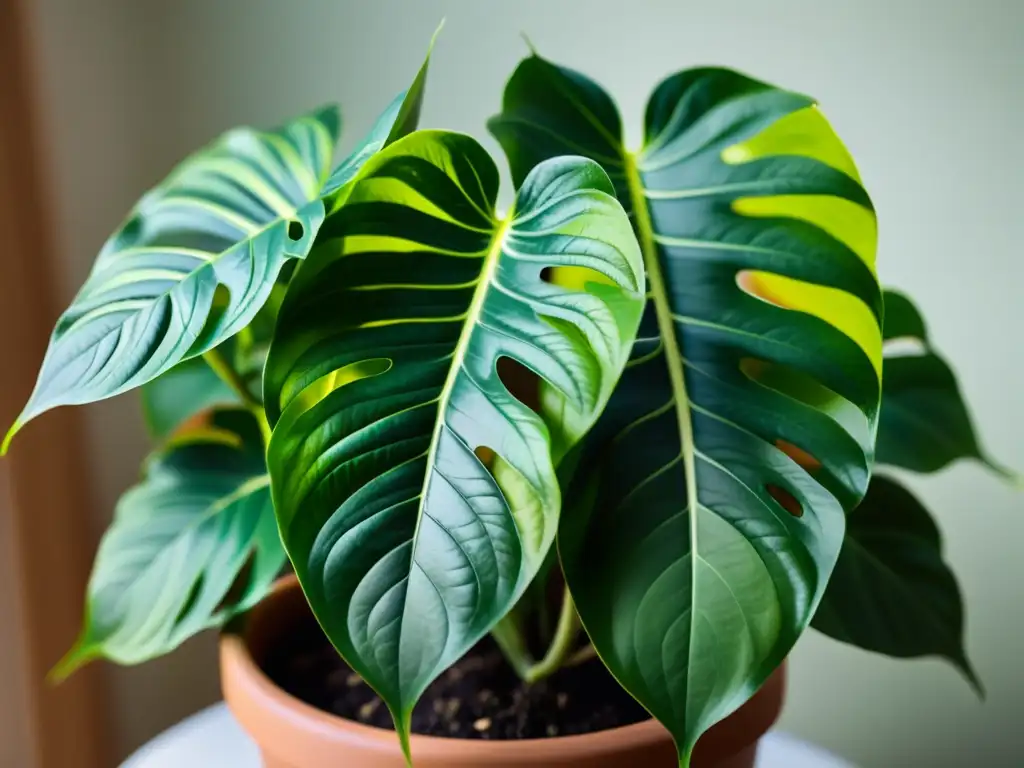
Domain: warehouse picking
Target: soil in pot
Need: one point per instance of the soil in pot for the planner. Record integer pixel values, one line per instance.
(478, 698)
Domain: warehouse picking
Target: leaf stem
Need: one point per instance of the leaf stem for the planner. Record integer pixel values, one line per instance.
(510, 641)
(561, 647)
(583, 655)
(226, 372)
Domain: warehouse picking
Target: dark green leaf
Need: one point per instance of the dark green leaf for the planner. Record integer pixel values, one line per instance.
(924, 424)
(891, 591)
(200, 254)
(902, 320)
(176, 396)
(708, 508)
(416, 495)
(200, 521)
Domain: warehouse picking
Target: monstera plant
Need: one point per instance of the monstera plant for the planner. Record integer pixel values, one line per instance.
(662, 379)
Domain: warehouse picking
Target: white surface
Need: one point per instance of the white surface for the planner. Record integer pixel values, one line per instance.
(213, 739)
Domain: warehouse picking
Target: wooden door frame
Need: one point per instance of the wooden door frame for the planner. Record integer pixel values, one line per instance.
(48, 485)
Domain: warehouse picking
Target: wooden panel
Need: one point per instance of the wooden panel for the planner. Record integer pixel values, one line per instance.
(16, 747)
(47, 489)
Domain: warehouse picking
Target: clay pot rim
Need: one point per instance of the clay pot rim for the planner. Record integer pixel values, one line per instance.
(240, 670)
(277, 719)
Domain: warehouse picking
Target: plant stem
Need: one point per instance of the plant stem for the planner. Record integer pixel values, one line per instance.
(561, 646)
(544, 618)
(509, 638)
(226, 372)
(584, 654)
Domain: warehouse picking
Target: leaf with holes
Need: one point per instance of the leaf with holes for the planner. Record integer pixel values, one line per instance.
(924, 425)
(192, 545)
(416, 496)
(891, 591)
(199, 255)
(708, 508)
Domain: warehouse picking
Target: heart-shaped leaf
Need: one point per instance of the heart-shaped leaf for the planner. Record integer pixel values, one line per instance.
(416, 495)
(924, 424)
(192, 545)
(891, 592)
(707, 510)
(199, 255)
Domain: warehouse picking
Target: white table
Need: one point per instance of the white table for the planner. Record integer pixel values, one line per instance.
(212, 739)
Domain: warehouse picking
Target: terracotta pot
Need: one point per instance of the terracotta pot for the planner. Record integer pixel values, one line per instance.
(293, 734)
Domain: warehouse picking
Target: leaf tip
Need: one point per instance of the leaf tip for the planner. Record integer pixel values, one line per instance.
(79, 655)
(972, 677)
(1015, 479)
(403, 726)
(529, 44)
(15, 428)
(437, 33)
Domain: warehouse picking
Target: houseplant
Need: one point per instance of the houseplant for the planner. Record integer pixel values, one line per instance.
(409, 405)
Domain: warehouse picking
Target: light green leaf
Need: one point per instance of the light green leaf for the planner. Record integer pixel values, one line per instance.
(200, 254)
(924, 424)
(708, 508)
(181, 393)
(416, 495)
(891, 591)
(193, 263)
(192, 545)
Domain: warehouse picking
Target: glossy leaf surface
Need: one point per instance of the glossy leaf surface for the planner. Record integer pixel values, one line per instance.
(891, 591)
(192, 545)
(199, 255)
(193, 263)
(416, 495)
(708, 507)
(924, 424)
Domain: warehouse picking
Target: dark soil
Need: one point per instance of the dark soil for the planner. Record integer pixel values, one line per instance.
(478, 698)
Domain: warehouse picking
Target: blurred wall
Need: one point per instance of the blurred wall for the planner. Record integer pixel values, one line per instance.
(15, 743)
(927, 93)
(106, 69)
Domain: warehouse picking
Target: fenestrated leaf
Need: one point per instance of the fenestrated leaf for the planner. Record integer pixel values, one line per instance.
(891, 591)
(181, 393)
(190, 546)
(416, 495)
(199, 255)
(695, 546)
(924, 424)
(192, 264)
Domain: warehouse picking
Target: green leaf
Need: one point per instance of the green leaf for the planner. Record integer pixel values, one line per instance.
(416, 495)
(192, 545)
(200, 254)
(193, 263)
(708, 507)
(181, 393)
(891, 591)
(924, 424)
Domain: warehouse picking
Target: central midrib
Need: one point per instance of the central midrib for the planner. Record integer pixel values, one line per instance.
(458, 355)
(673, 354)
